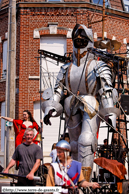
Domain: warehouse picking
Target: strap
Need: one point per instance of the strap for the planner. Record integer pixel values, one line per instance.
(72, 183)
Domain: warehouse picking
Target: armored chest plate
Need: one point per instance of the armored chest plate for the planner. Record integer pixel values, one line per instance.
(82, 77)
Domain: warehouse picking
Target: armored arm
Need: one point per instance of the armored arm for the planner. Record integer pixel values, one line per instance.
(52, 107)
(107, 93)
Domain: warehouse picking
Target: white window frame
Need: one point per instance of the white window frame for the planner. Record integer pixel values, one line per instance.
(126, 8)
(53, 74)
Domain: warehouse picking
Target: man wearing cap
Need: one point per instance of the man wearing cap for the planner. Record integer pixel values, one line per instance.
(66, 172)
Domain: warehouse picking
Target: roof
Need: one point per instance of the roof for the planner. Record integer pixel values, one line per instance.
(115, 4)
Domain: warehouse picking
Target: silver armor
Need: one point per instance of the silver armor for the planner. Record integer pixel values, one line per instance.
(85, 82)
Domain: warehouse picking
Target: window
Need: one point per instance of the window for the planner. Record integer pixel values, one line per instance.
(55, 45)
(100, 2)
(4, 59)
(127, 8)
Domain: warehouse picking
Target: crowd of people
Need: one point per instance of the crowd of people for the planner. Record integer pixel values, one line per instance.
(29, 155)
(63, 170)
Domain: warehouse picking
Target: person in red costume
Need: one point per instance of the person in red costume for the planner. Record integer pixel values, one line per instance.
(27, 122)
(21, 125)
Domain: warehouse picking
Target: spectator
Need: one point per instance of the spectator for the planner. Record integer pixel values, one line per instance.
(104, 150)
(29, 156)
(62, 172)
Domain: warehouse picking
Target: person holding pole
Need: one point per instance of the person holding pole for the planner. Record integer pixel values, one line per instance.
(29, 156)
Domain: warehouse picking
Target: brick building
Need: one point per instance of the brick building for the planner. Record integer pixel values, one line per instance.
(48, 25)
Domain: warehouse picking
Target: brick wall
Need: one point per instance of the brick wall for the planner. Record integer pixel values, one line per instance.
(116, 4)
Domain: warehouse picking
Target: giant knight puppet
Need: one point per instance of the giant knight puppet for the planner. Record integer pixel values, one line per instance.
(85, 88)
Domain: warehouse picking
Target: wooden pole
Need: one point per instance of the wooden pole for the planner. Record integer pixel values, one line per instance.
(10, 80)
(103, 18)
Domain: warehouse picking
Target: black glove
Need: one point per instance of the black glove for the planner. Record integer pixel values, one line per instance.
(47, 117)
